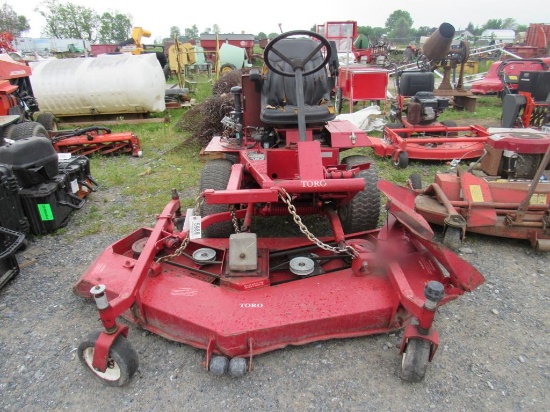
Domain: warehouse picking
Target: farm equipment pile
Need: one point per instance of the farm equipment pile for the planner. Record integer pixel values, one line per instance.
(206, 277)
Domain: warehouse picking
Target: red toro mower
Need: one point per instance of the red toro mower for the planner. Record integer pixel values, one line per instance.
(415, 132)
(506, 193)
(205, 277)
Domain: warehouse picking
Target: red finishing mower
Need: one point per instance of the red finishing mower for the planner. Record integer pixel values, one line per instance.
(505, 193)
(415, 132)
(205, 278)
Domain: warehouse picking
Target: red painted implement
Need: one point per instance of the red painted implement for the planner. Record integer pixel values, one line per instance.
(507, 193)
(100, 140)
(415, 132)
(211, 282)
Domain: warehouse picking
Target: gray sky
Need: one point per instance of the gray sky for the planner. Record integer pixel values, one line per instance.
(264, 16)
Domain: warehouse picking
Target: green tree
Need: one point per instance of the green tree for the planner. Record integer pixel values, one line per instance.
(522, 27)
(11, 22)
(495, 24)
(175, 32)
(69, 20)
(261, 35)
(114, 27)
(216, 29)
(399, 25)
(372, 33)
(192, 33)
(509, 23)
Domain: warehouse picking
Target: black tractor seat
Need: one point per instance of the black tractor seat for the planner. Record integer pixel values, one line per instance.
(279, 103)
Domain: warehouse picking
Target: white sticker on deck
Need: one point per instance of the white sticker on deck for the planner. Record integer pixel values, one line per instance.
(195, 227)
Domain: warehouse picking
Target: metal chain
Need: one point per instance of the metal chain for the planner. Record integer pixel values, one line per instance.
(285, 197)
(234, 219)
(198, 203)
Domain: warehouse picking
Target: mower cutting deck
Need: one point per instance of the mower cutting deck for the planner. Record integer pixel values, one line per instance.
(205, 277)
(506, 193)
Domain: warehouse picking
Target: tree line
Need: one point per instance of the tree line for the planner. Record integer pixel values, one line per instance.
(73, 21)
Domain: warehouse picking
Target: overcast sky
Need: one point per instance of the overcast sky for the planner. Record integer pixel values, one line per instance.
(264, 16)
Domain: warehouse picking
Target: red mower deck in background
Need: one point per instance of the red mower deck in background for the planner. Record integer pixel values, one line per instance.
(206, 277)
(94, 139)
(506, 193)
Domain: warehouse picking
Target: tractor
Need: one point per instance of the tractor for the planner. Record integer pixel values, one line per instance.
(206, 276)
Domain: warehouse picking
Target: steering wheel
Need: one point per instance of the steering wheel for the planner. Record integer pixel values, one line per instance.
(298, 63)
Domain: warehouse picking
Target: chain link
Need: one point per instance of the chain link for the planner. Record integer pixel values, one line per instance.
(285, 197)
(234, 219)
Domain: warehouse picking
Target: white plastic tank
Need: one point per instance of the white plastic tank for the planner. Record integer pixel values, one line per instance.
(106, 84)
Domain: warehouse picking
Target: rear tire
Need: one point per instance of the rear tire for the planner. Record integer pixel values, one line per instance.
(363, 210)
(26, 129)
(47, 120)
(227, 68)
(215, 175)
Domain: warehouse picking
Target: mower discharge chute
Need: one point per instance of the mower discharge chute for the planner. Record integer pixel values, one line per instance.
(205, 277)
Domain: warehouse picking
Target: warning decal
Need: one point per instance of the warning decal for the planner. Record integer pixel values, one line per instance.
(475, 192)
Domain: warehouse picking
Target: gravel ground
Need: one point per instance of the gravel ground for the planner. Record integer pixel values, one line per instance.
(494, 352)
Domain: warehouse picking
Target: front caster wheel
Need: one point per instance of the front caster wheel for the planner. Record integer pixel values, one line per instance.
(452, 238)
(414, 362)
(402, 160)
(122, 362)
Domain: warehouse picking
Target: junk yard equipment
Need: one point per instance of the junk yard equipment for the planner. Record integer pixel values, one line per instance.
(530, 107)
(17, 102)
(236, 294)
(503, 76)
(95, 139)
(506, 193)
(415, 132)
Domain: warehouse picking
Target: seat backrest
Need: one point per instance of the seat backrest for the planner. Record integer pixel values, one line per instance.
(279, 90)
(411, 83)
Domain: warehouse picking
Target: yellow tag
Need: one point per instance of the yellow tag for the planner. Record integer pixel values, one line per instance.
(538, 199)
(475, 192)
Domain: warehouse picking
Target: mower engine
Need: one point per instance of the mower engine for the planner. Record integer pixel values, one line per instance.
(514, 153)
(424, 107)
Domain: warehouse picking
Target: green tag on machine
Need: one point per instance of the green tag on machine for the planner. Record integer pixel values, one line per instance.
(45, 211)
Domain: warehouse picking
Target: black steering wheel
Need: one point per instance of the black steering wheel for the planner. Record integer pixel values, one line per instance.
(299, 63)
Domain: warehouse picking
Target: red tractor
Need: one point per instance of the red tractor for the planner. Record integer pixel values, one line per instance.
(208, 279)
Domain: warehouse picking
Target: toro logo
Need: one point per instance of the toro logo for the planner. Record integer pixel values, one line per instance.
(252, 305)
(314, 183)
